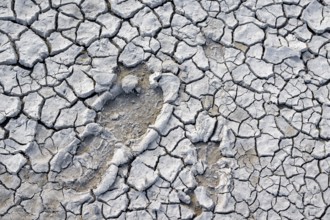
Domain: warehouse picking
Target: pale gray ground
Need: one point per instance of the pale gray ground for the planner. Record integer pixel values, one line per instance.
(156, 109)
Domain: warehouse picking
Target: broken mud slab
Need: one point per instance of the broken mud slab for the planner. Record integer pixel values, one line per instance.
(129, 115)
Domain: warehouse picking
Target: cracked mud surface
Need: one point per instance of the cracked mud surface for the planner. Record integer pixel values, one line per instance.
(156, 109)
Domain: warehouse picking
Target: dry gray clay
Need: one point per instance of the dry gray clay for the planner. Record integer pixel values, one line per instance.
(157, 109)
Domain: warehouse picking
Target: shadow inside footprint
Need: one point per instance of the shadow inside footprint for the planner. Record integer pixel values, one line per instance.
(129, 115)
